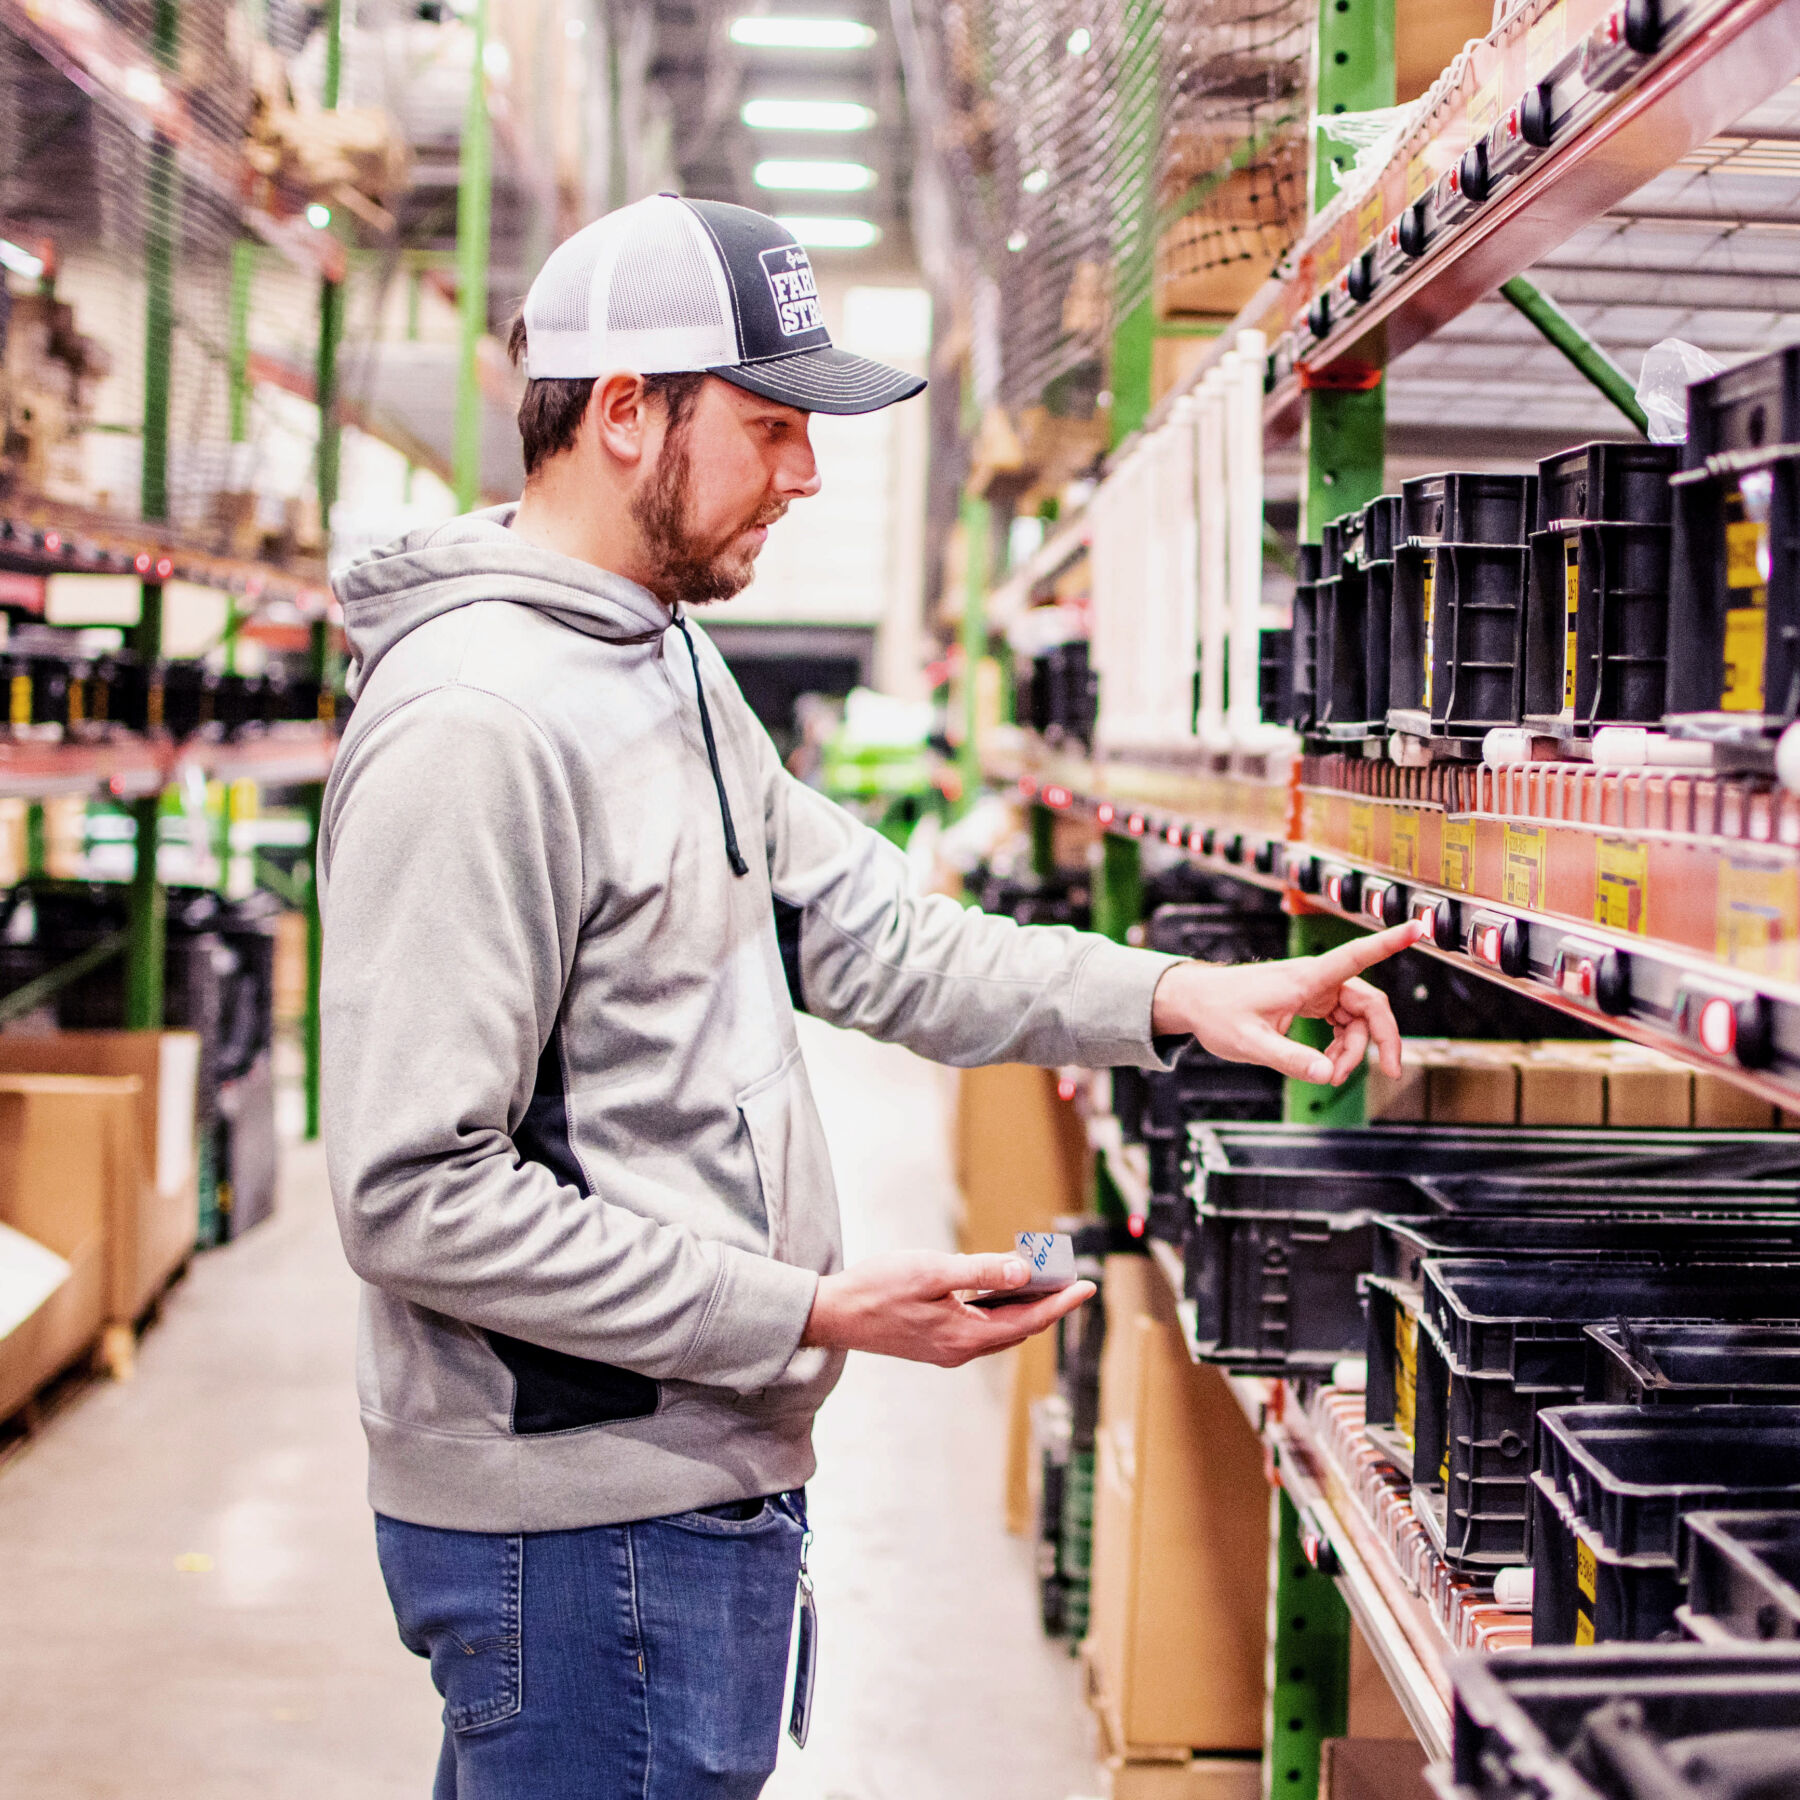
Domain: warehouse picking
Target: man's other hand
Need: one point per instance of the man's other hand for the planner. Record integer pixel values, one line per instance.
(910, 1304)
(1243, 1012)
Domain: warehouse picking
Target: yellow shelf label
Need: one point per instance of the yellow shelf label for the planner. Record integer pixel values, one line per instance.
(1459, 855)
(1522, 867)
(1758, 915)
(1571, 605)
(1584, 1567)
(1362, 829)
(1403, 842)
(1584, 1627)
(1621, 883)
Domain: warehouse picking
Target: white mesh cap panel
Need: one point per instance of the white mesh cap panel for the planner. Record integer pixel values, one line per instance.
(640, 290)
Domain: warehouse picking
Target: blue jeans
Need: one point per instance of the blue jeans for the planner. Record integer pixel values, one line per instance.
(624, 1662)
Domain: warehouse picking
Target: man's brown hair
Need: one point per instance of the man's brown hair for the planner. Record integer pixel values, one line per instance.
(550, 414)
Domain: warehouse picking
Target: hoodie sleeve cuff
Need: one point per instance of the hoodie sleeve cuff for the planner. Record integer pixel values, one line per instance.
(1110, 1010)
(753, 1324)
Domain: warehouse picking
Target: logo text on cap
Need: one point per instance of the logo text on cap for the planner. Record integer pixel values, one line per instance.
(796, 294)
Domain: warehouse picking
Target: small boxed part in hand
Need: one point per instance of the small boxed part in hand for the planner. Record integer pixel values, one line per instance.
(1050, 1256)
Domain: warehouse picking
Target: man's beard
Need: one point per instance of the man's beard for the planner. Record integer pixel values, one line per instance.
(690, 570)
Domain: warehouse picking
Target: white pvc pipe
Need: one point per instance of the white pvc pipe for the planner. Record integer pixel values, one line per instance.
(1245, 473)
(1209, 450)
(1184, 625)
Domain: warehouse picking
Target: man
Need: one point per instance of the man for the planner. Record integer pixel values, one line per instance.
(572, 903)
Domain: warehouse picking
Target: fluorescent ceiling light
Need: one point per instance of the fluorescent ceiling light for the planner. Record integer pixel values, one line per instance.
(815, 177)
(808, 115)
(832, 234)
(802, 34)
(20, 261)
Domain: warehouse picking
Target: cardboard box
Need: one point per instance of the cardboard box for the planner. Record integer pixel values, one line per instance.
(1020, 1154)
(1180, 1559)
(1562, 1084)
(1477, 1084)
(153, 1211)
(1646, 1091)
(59, 1139)
(1193, 1778)
(1721, 1105)
(1355, 1768)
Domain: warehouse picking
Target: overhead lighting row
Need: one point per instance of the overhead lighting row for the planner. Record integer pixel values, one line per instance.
(821, 175)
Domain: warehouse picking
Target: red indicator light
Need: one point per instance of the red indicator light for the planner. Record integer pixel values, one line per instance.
(1104, 812)
(1173, 834)
(1426, 918)
(1512, 124)
(1373, 895)
(53, 540)
(1718, 1027)
(1135, 824)
(141, 562)
(1487, 944)
(1056, 797)
(1334, 889)
(1578, 979)
(1065, 1088)
(1196, 838)
(1027, 786)
(1135, 1224)
(164, 568)
(1455, 179)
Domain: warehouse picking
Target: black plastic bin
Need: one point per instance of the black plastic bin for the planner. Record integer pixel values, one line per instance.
(1530, 1725)
(1500, 1341)
(1597, 635)
(1303, 683)
(1277, 667)
(1743, 1577)
(1456, 508)
(1734, 595)
(1478, 637)
(1691, 1362)
(1282, 1219)
(1340, 705)
(1606, 482)
(1659, 1228)
(1409, 636)
(1612, 1489)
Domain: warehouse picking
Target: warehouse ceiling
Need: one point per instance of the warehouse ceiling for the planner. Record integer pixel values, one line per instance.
(708, 79)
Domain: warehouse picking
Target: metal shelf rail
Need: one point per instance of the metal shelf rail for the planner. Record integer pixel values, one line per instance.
(1561, 112)
(1659, 907)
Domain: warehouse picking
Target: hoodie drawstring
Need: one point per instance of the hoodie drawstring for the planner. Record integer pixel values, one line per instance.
(733, 854)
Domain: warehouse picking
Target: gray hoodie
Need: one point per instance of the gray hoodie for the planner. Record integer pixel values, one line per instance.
(575, 1158)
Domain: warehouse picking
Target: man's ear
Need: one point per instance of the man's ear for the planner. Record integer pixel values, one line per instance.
(619, 415)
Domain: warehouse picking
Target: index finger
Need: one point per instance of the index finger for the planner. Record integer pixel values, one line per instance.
(1349, 960)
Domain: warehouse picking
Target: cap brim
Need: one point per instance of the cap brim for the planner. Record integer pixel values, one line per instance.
(824, 381)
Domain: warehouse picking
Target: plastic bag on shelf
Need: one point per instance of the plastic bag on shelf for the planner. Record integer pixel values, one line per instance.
(1669, 368)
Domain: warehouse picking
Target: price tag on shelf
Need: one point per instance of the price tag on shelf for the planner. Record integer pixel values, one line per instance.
(1758, 918)
(1362, 829)
(1621, 883)
(1403, 842)
(1459, 855)
(1522, 866)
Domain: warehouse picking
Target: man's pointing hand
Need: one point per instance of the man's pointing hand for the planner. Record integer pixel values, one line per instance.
(1243, 1012)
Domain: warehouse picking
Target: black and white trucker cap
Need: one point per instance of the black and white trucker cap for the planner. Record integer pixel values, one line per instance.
(667, 284)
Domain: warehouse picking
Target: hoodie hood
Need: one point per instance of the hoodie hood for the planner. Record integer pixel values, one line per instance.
(396, 589)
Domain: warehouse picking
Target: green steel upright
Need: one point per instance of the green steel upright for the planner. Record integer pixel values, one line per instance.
(1139, 101)
(1346, 443)
(1307, 1696)
(147, 904)
(325, 392)
(474, 199)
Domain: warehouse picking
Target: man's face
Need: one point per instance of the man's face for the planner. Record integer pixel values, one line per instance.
(720, 480)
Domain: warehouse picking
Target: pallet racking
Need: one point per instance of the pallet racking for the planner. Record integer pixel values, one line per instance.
(1658, 903)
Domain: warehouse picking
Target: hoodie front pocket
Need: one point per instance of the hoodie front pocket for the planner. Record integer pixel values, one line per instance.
(792, 1164)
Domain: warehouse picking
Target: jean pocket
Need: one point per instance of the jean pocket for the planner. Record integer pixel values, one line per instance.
(710, 1521)
(456, 1600)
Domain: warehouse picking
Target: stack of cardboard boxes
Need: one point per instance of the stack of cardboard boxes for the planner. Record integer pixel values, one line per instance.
(98, 1196)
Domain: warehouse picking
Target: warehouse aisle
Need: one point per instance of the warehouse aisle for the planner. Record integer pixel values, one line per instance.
(191, 1605)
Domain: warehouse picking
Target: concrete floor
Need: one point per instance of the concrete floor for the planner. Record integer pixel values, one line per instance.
(190, 1607)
